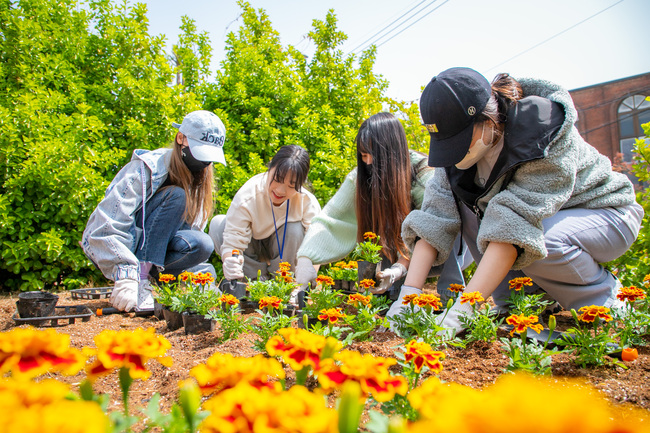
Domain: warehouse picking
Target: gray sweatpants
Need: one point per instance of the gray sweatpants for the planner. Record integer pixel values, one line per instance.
(578, 240)
(263, 255)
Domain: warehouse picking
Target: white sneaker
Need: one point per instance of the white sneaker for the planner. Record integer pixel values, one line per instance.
(145, 297)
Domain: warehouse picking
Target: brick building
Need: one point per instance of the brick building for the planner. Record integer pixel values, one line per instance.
(610, 114)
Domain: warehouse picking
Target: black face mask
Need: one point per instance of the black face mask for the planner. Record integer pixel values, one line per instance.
(193, 164)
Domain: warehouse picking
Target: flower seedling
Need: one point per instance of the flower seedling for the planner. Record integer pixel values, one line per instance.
(271, 309)
(281, 285)
(525, 355)
(420, 319)
(633, 320)
(482, 324)
(346, 271)
(231, 323)
(522, 303)
(369, 249)
(366, 318)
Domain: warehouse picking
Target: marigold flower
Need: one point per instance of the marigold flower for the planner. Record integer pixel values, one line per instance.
(519, 283)
(630, 294)
(223, 371)
(128, 349)
(409, 299)
(185, 276)
(646, 280)
(471, 297)
(428, 300)
(25, 393)
(284, 266)
(228, 299)
(246, 409)
(371, 372)
(340, 265)
(166, 278)
(300, 348)
(456, 288)
(201, 279)
(325, 280)
(270, 301)
(522, 322)
(352, 264)
(357, 300)
(331, 314)
(67, 416)
(367, 283)
(30, 352)
(369, 236)
(421, 354)
(589, 314)
(285, 275)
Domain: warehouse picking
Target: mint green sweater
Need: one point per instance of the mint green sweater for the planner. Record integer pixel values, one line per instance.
(333, 232)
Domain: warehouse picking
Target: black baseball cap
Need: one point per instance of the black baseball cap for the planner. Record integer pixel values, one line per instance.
(449, 106)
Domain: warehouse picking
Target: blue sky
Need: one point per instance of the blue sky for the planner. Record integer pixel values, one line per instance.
(575, 43)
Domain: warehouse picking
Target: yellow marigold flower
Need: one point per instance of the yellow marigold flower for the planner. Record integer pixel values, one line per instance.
(67, 416)
(228, 299)
(589, 314)
(325, 280)
(246, 409)
(646, 280)
(428, 300)
(128, 349)
(202, 279)
(409, 298)
(25, 393)
(270, 301)
(357, 299)
(519, 283)
(371, 372)
(471, 297)
(285, 266)
(223, 371)
(300, 348)
(166, 278)
(185, 276)
(331, 314)
(456, 288)
(367, 283)
(30, 352)
(522, 322)
(369, 236)
(352, 264)
(421, 354)
(630, 294)
(340, 265)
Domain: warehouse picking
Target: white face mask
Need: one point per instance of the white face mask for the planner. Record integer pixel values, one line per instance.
(475, 153)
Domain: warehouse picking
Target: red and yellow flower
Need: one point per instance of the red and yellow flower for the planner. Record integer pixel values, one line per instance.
(456, 288)
(421, 354)
(300, 348)
(519, 283)
(428, 300)
(589, 314)
(358, 300)
(284, 266)
(522, 322)
(325, 280)
(367, 283)
(28, 353)
(270, 302)
(128, 349)
(201, 279)
(471, 297)
(408, 299)
(332, 315)
(285, 275)
(630, 294)
(369, 236)
(228, 299)
(352, 264)
(185, 276)
(166, 278)
(646, 280)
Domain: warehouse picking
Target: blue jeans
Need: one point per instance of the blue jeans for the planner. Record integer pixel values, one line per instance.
(168, 241)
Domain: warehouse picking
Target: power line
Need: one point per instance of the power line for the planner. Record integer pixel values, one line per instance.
(412, 24)
(554, 36)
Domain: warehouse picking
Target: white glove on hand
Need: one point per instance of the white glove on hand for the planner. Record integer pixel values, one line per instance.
(305, 272)
(145, 296)
(233, 267)
(397, 306)
(388, 277)
(125, 295)
(451, 320)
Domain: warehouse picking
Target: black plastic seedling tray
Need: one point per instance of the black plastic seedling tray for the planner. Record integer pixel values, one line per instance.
(64, 315)
(94, 293)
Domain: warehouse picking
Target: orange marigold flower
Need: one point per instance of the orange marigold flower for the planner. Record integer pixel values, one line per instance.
(369, 236)
(270, 301)
(519, 283)
(325, 280)
(185, 276)
(353, 265)
(427, 299)
(201, 279)
(30, 352)
(522, 322)
(228, 299)
(300, 348)
(367, 283)
(646, 280)
(421, 354)
(471, 297)
(166, 278)
(589, 314)
(331, 314)
(630, 294)
(357, 299)
(456, 288)
(340, 265)
(285, 266)
(408, 299)
(128, 349)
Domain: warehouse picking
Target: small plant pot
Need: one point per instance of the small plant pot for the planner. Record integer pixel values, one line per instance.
(235, 288)
(174, 319)
(344, 285)
(36, 304)
(366, 271)
(196, 323)
(158, 310)
(247, 307)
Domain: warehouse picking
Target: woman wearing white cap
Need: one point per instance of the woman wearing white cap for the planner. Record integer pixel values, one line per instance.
(154, 212)
(529, 195)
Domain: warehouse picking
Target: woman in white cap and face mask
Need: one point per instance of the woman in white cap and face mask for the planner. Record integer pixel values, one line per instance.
(154, 212)
(529, 195)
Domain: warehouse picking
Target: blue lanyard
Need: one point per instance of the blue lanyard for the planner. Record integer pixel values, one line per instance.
(284, 235)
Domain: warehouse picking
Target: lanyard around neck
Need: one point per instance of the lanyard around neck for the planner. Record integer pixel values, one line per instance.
(284, 234)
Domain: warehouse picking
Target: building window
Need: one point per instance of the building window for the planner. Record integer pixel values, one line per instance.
(633, 111)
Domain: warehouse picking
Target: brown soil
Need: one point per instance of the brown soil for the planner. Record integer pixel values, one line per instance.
(478, 365)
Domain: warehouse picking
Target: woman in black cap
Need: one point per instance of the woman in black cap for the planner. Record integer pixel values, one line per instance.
(529, 195)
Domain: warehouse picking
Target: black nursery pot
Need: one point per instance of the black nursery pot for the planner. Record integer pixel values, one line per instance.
(196, 323)
(158, 310)
(174, 319)
(366, 270)
(36, 304)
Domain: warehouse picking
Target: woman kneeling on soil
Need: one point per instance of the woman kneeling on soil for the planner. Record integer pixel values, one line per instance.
(155, 210)
(267, 218)
(529, 195)
(376, 196)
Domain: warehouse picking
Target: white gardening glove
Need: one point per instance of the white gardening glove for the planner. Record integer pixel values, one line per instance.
(397, 306)
(145, 297)
(125, 295)
(305, 274)
(451, 320)
(388, 277)
(233, 267)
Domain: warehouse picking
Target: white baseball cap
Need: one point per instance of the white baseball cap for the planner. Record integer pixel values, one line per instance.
(205, 134)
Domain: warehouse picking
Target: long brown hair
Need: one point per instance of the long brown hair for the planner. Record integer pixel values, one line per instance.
(384, 187)
(197, 186)
(506, 91)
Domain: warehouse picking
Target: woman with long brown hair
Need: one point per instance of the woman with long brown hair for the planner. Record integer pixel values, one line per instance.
(154, 212)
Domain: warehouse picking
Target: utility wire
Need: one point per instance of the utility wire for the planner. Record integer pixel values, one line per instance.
(554, 36)
(410, 25)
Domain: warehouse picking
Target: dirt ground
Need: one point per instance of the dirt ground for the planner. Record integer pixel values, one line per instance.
(476, 366)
